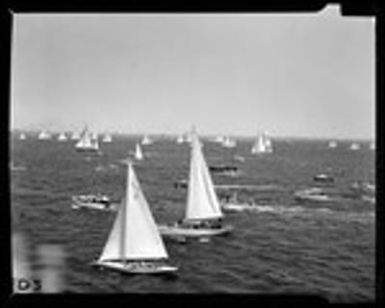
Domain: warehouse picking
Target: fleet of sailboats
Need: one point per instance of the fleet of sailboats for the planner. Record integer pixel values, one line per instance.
(134, 245)
(263, 144)
(86, 143)
(203, 216)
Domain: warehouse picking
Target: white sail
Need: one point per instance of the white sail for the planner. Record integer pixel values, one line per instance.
(180, 139)
(134, 235)
(22, 136)
(259, 146)
(107, 138)
(138, 152)
(146, 140)
(75, 136)
(202, 201)
(332, 144)
(354, 146)
(268, 144)
(228, 143)
(44, 135)
(62, 137)
(86, 142)
(372, 146)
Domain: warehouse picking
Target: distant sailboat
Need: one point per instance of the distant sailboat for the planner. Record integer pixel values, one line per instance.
(44, 135)
(94, 136)
(354, 146)
(332, 144)
(203, 216)
(62, 137)
(22, 136)
(75, 136)
(219, 139)
(107, 138)
(262, 145)
(372, 146)
(229, 143)
(134, 245)
(180, 139)
(146, 140)
(86, 143)
(138, 152)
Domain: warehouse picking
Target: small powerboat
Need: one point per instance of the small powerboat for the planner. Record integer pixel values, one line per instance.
(312, 194)
(96, 202)
(322, 177)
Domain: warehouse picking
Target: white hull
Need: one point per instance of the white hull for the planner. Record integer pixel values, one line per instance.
(190, 232)
(239, 207)
(132, 269)
(94, 206)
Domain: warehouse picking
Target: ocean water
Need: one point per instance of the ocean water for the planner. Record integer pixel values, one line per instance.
(284, 246)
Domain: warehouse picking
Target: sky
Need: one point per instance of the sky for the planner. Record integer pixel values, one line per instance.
(300, 75)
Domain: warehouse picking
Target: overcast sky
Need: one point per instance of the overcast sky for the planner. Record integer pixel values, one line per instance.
(294, 75)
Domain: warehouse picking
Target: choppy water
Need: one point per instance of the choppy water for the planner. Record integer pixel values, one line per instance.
(282, 247)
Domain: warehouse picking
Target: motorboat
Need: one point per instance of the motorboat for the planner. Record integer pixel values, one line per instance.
(312, 194)
(96, 202)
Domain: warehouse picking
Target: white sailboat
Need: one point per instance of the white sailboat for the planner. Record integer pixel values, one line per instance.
(75, 136)
(229, 143)
(180, 139)
(203, 216)
(134, 245)
(138, 152)
(22, 136)
(219, 139)
(262, 145)
(332, 144)
(107, 138)
(44, 135)
(354, 146)
(372, 146)
(146, 140)
(86, 143)
(62, 137)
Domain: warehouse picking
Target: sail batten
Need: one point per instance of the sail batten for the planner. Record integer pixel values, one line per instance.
(134, 234)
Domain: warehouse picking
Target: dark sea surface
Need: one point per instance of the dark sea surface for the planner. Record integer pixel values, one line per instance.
(283, 247)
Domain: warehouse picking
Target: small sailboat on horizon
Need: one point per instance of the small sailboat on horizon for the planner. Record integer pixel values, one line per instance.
(228, 143)
(44, 135)
(62, 137)
(146, 140)
(107, 138)
(86, 143)
(203, 216)
(22, 136)
(134, 245)
(263, 144)
(355, 146)
(332, 144)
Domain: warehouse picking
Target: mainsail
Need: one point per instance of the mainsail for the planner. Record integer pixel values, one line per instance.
(202, 201)
(62, 137)
(86, 142)
(44, 135)
(107, 138)
(262, 145)
(134, 235)
(138, 152)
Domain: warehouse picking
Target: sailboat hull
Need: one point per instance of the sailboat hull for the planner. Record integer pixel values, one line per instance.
(134, 269)
(190, 232)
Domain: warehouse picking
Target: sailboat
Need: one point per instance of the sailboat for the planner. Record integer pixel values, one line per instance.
(372, 146)
(354, 146)
(22, 136)
(219, 139)
(138, 152)
(62, 137)
(146, 140)
(180, 139)
(203, 216)
(86, 143)
(134, 245)
(44, 135)
(262, 145)
(229, 143)
(107, 138)
(332, 144)
(75, 136)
